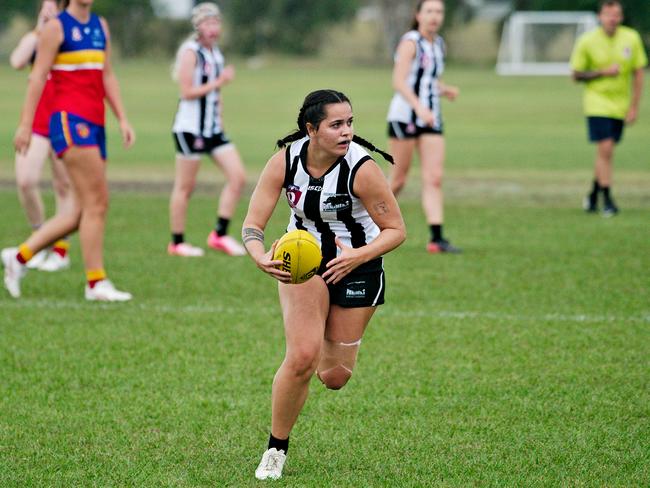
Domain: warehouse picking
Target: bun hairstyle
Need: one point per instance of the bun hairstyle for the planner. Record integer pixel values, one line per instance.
(203, 11)
(313, 112)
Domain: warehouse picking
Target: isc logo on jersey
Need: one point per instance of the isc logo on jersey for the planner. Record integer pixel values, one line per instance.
(300, 255)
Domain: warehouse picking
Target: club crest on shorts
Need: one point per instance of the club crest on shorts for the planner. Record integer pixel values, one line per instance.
(199, 144)
(293, 195)
(410, 128)
(83, 130)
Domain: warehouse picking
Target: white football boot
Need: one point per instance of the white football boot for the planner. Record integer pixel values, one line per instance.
(38, 259)
(55, 262)
(14, 271)
(271, 465)
(105, 291)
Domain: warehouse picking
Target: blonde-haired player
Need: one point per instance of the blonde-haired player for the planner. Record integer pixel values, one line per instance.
(198, 129)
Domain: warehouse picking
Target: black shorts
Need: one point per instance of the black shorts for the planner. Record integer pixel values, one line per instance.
(401, 130)
(363, 287)
(190, 145)
(602, 128)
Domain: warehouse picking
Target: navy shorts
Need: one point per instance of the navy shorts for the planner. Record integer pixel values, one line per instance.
(192, 146)
(602, 128)
(67, 130)
(401, 130)
(363, 287)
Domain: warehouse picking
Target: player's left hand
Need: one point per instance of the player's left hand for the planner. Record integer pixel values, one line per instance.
(632, 115)
(128, 134)
(22, 139)
(340, 266)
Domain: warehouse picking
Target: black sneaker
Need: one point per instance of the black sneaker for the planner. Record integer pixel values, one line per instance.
(590, 203)
(443, 245)
(610, 209)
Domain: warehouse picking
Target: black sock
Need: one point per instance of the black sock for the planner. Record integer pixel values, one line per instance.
(178, 238)
(595, 188)
(279, 444)
(606, 194)
(436, 232)
(222, 226)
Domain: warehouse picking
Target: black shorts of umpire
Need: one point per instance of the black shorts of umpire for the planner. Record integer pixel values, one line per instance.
(603, 128)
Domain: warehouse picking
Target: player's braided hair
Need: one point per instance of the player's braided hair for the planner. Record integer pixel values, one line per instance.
(313, 112)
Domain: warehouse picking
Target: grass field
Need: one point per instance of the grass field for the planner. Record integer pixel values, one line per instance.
(523, 362)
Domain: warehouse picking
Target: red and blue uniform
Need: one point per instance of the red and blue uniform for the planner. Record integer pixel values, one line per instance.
(41, 124)
(78, 79)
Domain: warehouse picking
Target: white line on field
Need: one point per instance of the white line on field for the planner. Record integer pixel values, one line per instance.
(388, 311)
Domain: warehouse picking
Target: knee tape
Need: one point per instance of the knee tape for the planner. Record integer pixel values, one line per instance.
(337, 362)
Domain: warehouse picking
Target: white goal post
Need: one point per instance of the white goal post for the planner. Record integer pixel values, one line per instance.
(540, 43)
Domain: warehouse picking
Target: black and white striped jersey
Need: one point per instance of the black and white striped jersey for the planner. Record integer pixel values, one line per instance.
(426, 69)
(201, 116)
(327, 206)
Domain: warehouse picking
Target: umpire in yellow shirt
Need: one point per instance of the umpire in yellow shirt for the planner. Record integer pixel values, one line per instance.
(610, 61)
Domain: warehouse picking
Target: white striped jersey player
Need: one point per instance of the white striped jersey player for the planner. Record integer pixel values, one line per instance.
(426, 69)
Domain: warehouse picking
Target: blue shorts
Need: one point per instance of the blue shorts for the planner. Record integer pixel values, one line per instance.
(602, 128)
(67, 130)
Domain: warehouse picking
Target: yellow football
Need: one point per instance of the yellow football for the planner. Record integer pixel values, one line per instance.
(300, 254)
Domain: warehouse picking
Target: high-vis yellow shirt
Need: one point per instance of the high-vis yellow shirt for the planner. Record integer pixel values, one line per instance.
(609, 96)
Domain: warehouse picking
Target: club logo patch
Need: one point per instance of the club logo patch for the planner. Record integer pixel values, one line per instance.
(76, 34)
(627, 52)
(293, 195)
(199, 144)
(83, 130)
(410, 128)
(335, 202)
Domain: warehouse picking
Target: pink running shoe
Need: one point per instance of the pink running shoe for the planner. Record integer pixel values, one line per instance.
(226, 244)
(185, 250)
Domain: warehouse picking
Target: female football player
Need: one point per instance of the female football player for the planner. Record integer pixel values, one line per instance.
(198, 129)
(29, 166)
(415, 118)
(75, 48)
(336, 192)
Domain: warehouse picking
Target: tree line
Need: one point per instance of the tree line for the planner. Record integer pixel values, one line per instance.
(290, 26)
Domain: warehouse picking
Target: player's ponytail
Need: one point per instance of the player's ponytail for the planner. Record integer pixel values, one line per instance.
(313, 112)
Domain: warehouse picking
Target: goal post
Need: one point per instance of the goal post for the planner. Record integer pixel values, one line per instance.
(540, 43)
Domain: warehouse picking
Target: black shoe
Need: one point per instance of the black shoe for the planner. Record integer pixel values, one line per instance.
(610, 209)
(590, 203)
(442, 245)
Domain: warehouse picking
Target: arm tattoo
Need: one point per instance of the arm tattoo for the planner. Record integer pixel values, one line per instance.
(381, 208)
(249, 234)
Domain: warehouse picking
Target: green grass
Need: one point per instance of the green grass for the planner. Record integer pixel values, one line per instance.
(523, 362)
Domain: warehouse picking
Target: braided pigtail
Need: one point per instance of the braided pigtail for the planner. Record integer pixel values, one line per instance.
(371, 147)
(298, 134)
